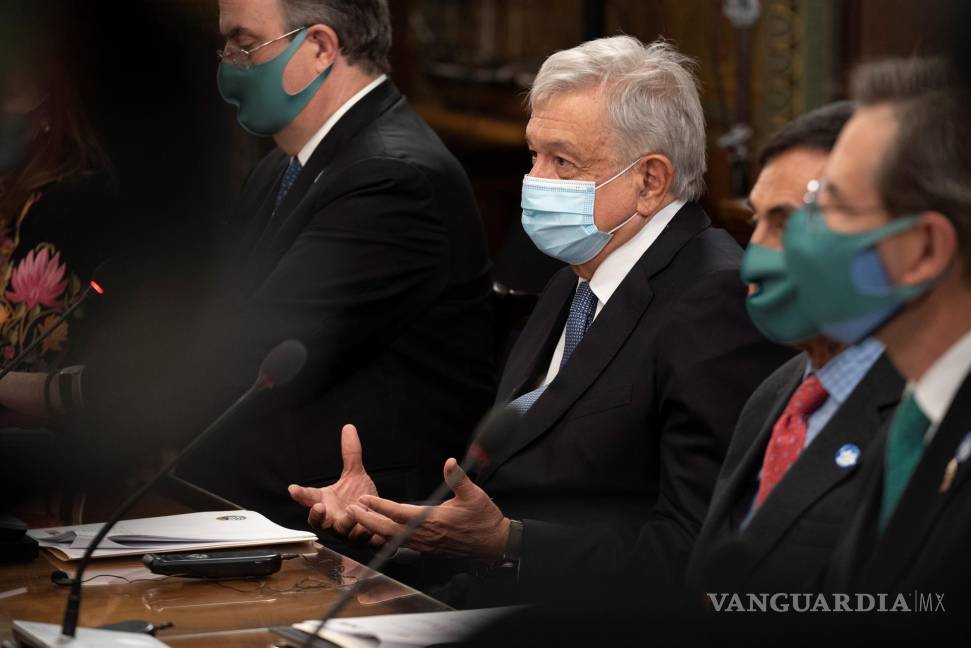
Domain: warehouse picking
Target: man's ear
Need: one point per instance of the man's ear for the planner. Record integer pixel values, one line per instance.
(655, 174)
(327, 46)
(938, 252)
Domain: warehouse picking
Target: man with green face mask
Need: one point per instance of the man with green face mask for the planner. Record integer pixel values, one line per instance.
(884, 247)
(358, 235)
(791, 472)
(361, 237)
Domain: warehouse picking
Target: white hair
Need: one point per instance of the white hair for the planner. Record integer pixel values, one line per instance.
(651, 100)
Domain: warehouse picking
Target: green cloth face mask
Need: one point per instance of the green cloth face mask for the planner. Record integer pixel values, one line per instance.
(265, 107)
(840, 278)
(774, 305)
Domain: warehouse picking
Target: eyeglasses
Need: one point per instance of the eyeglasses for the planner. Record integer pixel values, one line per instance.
(242, 58)
(811, 202)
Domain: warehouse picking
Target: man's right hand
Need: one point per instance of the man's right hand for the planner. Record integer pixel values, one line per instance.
(328, 505)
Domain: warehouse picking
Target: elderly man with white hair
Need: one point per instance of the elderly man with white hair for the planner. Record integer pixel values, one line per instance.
(632, 369)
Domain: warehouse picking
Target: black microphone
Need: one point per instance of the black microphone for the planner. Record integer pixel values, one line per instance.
(493, 433)
(95, 286)
(279, 367)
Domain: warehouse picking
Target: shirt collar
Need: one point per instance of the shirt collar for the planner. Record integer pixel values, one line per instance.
(842, 374)
(612, 270)
(311, 145)
(935, 390)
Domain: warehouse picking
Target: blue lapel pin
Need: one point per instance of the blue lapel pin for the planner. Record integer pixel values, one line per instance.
(848, 455)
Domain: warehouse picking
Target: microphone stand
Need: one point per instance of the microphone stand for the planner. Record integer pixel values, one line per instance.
(389, 548)
(494, 431)
(70, 623)
(43, 336)
(278, 368)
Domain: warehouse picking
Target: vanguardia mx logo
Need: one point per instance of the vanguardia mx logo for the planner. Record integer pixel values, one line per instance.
(808, 602)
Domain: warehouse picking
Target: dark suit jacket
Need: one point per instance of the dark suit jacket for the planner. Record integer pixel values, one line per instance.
(376, 260)
(927, 543)
(789, 540)
(617, 459)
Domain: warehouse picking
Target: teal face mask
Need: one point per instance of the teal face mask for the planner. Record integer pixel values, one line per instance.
(841, 280)
(265, 107)
(773, 306)
(558, 217)
(14, 139)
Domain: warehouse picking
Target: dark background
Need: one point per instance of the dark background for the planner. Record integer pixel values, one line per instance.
(146, 73)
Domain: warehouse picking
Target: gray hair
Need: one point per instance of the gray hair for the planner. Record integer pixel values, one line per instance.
(651, 98)
(362, 26)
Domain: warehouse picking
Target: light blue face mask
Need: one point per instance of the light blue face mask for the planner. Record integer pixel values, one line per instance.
(558, 217)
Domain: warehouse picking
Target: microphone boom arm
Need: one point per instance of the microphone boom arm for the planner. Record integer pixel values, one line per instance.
(50, 329)
(389, 548)
(71, 611)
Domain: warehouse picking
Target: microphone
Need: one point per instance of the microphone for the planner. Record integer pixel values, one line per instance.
(493, 432)
(280, 366)
(95, 286)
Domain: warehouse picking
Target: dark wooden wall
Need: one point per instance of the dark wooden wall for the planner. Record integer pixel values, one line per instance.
(147, 70)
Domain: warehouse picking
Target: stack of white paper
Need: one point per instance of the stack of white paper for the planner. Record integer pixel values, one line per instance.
(405, 630)
(188, 532)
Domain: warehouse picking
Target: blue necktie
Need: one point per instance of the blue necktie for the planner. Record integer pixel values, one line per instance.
(289, 177)
(581, 315)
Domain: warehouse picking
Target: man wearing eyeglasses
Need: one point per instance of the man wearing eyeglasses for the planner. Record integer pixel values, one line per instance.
(360, 236)
(357, 235)
(887, 241)
(791, 476)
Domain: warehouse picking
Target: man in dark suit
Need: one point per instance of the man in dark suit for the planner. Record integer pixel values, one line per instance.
(359, 235)
(773, 531)
(898, 183)
(634, 365)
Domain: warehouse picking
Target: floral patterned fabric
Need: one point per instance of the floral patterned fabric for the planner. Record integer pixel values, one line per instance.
(36, 287)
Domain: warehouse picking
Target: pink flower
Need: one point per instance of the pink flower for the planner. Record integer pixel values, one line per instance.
(38, 280)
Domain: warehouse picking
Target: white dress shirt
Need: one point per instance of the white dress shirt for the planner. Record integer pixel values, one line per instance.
(311, 145)
(935, 390)
(614, 269)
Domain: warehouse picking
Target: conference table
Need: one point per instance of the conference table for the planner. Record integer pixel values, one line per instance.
(205, 613)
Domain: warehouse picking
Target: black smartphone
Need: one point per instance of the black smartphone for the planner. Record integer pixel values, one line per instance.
(215, 564)
(295, 638)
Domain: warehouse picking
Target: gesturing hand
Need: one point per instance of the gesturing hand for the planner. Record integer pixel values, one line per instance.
(328, 505)
(469, 524)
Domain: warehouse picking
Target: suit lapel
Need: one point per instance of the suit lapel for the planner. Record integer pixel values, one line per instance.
(536, 343)
(263, 195)
(816, 472)
(284, 221)
(922, 501)
(726, 499)
(606, 335)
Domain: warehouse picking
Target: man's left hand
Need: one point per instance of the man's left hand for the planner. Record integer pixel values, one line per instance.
(469, 524)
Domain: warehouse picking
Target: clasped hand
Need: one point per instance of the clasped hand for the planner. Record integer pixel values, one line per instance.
(469, 524)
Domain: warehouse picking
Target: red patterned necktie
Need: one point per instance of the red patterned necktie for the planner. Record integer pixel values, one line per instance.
(789, 435)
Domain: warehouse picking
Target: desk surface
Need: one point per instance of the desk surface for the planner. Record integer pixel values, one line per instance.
(228, 613)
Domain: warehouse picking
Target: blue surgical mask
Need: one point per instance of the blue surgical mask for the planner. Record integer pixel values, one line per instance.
(558, 217)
